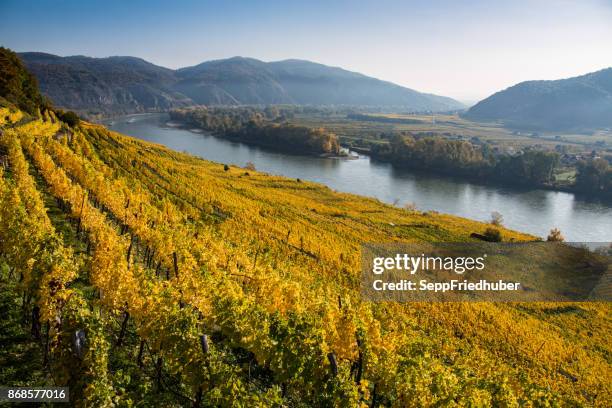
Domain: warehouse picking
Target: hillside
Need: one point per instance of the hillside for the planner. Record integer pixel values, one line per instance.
(167, 247)
(137, 275)
(17, 85)
(575, 104)
(250, 81)
(318, 84)
(126, 84)
(104, 85)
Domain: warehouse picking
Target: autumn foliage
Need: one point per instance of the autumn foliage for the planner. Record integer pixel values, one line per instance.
(198, 286)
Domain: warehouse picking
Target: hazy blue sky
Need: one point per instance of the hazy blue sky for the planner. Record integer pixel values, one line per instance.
(463, 49)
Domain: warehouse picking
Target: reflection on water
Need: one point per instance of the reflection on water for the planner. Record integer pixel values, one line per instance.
(533, 211)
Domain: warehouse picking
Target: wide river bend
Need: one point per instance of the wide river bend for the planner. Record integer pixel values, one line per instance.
(532, 211)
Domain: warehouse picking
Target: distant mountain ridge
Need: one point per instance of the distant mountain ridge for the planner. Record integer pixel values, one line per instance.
(117, 85)
(578, 103)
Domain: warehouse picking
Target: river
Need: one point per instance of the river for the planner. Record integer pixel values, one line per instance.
(532, 211)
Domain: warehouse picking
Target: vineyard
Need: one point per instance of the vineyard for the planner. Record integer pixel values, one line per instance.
(147, 277)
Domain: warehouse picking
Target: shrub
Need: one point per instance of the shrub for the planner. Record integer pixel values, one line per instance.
(69, 117)
(493, 235)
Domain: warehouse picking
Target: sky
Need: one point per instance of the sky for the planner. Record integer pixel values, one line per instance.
(463, 49)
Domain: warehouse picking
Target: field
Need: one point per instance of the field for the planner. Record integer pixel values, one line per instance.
(140, 276)
(355, 130)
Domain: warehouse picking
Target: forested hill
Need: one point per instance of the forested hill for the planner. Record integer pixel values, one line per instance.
(579, 103)
(113, 85)
(17, 85)
(126, 84)
(299, 82)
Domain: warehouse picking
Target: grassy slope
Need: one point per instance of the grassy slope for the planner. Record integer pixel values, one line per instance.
(298, 243)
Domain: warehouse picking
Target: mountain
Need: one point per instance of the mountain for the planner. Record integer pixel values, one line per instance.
(579, 103)
(313, 83)
(231, 81)
(250, 81)
(104, 85)
(127, 84)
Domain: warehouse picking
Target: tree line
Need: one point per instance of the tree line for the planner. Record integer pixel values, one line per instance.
(457, 157)
(594, 176)
(263, 127)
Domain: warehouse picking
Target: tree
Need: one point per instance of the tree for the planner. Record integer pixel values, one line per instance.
(69, 117)
(555, 236)
(594, 175)
(497, 218)
(17, 84)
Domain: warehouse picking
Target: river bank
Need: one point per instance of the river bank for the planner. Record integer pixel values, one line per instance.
(535, 211)
(287, 149)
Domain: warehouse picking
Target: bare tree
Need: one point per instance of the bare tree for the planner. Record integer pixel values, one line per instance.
(410, 206)
(555, 236)
(497, 218)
